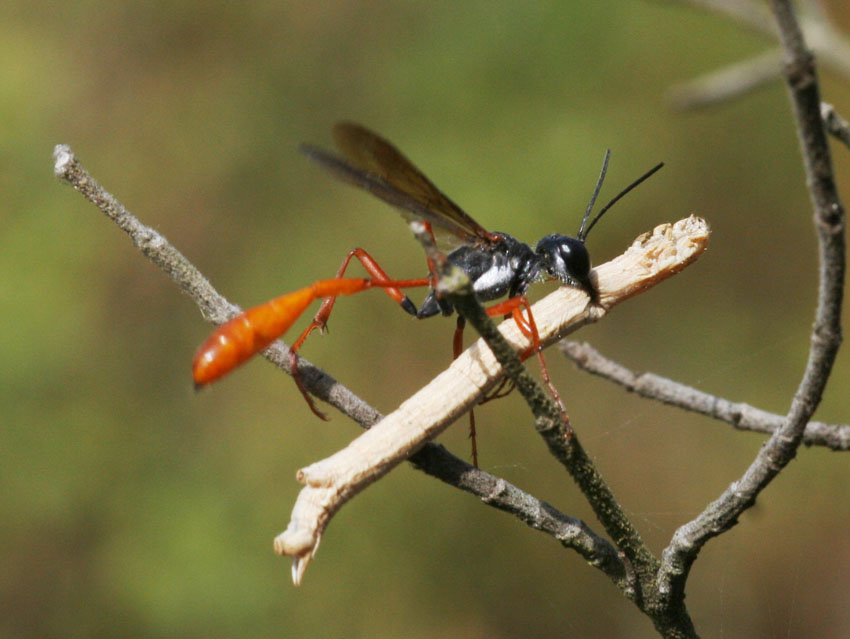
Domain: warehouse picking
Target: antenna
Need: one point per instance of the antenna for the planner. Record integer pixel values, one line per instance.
(581, 232)
(581, 236)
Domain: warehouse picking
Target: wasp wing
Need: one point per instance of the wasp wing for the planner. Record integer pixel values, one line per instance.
(375, 165)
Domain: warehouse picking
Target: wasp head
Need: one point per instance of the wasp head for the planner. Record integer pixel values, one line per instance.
(566, 259)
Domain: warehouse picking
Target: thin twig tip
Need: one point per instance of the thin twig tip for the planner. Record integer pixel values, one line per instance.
(63, 157)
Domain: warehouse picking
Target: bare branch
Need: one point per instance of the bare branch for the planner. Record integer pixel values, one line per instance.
(781, 448)
(152, 244)
(741, 416)
(331, 482)
(499, 493)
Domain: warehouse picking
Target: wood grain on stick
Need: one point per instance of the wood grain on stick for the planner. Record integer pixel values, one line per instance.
(329, 483)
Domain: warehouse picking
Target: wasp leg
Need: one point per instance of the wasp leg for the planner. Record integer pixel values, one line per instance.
(528, 327)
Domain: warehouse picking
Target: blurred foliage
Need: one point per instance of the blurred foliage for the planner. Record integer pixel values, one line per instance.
(134, 507)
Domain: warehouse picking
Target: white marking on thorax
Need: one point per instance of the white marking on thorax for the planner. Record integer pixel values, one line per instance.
(495, 279)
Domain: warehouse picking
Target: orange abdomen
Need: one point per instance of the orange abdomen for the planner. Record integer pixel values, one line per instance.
(247, 334)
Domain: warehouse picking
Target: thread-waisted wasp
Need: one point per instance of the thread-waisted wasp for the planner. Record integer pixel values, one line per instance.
(497, 264)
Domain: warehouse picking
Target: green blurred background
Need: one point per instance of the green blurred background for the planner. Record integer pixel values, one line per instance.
(132, 506)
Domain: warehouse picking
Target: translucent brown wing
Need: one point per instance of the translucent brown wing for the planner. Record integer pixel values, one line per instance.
(375, 165)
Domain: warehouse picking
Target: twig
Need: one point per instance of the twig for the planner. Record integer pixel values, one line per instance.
(331, 482)
(741, 416)
(152, 244)
(431, 459)
(781, 448)
(835, 124)
(499, 493)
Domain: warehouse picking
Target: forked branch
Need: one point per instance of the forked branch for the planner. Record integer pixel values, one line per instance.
(780, 449)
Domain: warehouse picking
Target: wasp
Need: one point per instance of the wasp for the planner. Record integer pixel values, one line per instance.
(497, 264)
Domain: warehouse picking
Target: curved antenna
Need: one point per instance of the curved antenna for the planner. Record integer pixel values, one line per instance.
(581, 232)
(581, 236)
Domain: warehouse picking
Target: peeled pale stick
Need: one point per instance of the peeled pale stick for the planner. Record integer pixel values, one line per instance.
(331, 482)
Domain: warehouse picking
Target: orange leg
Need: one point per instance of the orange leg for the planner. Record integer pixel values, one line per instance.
(511, 307)
(320, 320)
(529, 329)
(432, 268)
